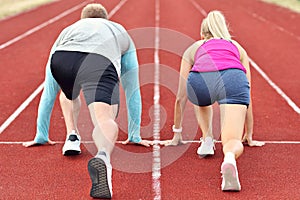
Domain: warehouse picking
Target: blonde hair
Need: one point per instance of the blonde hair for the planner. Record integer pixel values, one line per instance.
(94, 10)
(214, 25)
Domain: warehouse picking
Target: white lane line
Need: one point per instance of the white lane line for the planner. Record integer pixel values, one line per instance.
(21, 108)
(115, 9)
(120, 142)
(204, 13)
(39, 89)
(275, 87)
(257, 68)
(39, 27)
(275, 25)
(199, 8)
(156, 165)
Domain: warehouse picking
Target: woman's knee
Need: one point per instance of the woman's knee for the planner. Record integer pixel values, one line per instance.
(227, 139)
(233, 145)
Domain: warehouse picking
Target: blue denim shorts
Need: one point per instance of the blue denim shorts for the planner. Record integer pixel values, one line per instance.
(229, 86)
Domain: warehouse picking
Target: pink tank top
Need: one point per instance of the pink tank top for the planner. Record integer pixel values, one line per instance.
(216, 55)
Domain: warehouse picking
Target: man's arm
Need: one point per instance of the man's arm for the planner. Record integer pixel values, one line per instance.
(51, 89)
(131, 85)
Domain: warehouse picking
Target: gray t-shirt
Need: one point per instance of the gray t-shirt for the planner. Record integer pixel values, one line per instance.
(95, 35)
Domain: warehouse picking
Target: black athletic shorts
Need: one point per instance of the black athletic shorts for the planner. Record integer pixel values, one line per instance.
(93, 73)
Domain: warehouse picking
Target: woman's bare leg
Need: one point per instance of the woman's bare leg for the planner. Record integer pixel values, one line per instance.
(232, 126)
(204, 117)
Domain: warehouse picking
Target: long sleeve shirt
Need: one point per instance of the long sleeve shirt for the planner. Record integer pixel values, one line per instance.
(109, 39)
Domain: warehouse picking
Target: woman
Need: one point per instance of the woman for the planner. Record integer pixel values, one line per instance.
(216, 69)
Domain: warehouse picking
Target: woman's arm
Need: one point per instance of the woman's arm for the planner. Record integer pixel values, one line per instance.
(249, 122)
(181, 97)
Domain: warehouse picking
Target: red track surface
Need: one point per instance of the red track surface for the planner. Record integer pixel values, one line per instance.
(270, 35)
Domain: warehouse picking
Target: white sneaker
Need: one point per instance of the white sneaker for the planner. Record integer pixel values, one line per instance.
(100, 171)
(230, 177)
(207, 147)
(72, 144)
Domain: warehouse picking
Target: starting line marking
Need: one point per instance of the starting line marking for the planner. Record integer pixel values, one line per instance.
(157, 141)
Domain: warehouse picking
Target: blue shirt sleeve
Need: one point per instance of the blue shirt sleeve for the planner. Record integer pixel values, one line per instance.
(51, 88)
(131, 86)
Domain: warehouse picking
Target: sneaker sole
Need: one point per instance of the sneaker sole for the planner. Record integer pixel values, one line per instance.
(230, 178)
(98, 174)
(205, 154)
(71, 153)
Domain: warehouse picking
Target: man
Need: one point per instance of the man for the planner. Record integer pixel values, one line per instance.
(72, 144)
(92, 55)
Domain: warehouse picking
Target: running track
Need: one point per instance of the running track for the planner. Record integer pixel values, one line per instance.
(162, 29)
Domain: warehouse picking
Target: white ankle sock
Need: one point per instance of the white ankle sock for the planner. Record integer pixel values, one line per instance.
(103, 153)
(229, 157)
(208, 139)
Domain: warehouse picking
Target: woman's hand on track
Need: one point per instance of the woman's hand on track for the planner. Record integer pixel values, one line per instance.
(252, 143)
(176, 140)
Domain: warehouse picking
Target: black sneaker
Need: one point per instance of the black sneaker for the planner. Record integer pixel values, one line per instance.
(100, 171)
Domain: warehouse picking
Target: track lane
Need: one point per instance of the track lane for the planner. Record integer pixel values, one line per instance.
(127, 181)
(274, 120)
(76, 188)
(204, 181)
